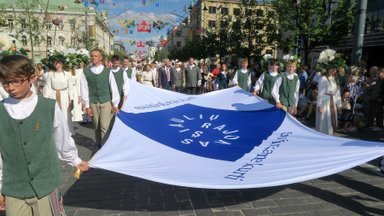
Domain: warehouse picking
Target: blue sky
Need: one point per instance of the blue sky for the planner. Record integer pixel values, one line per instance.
(168, 11)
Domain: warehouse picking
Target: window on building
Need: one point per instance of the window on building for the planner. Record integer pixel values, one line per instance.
(72, 24)
(48, 25)
(61, 40)
(212, 10)
(178, 43)
(35, 24)
(49, 41)
(73, 42)
(10, 23)
(269, 51)
(24, 40)
(211, 23)
(23, 24)
(36, 40)
(249, 12)
(259, 12)
(236, 11)
(224, 11)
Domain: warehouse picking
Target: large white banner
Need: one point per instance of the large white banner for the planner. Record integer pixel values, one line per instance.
(223, 139)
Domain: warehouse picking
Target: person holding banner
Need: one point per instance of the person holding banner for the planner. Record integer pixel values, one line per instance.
(34, 136)
(266, 81)
(121, 79)
(242, 76)
(100, 95)
(328, 102)
(286, 89)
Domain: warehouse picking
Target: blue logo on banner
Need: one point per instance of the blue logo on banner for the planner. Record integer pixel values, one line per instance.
(212, 133)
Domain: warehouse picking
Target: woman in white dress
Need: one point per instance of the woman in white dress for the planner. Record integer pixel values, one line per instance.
(77, 112)
(328, 102)
(147, 77)
(59, 86)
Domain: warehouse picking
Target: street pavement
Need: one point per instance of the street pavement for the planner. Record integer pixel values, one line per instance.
(357, 191)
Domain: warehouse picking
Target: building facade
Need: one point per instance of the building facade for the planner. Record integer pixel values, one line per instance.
(45, 25)
(204, 16)
(373, 45)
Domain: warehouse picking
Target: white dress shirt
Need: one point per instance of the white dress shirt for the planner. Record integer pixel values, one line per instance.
(133, 75)
(65, 145)
(260, 82)
(112, 85)
(126, 86)
(242, 70)
(276, 88)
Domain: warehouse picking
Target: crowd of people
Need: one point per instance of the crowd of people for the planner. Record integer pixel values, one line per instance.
(340, 99)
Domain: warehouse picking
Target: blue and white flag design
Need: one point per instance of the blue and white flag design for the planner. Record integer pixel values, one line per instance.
(225, 139)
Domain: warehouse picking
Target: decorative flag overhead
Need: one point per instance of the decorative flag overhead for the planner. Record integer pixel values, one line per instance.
(159, 25)
(225, 139)
(140, 44)
(143, 26)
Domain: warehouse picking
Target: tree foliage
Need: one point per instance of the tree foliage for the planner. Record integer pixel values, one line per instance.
(306, 24)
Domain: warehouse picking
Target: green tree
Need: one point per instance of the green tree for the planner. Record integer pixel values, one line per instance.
(248, 36)
(306, 24)
(29, 29)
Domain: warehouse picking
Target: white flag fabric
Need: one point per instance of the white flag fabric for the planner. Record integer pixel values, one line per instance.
(224, 139)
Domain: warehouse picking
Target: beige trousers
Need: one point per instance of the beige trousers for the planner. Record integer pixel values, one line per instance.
(28, 207)
(102, 116)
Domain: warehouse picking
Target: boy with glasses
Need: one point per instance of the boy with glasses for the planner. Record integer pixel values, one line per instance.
(33, 136)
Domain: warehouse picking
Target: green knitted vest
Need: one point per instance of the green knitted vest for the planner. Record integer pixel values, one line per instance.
(119, 80)
(242, 79)
(30, 164)
(98, 85)
(266, 92)
(287, 90)
(129, 73)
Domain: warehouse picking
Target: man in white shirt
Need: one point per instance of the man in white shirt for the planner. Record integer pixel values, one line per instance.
(130, 71)
(100, 95)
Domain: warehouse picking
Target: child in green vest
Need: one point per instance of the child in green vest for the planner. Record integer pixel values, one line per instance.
(242, 76)
(33, 137)
(264, 84)
(286, 89)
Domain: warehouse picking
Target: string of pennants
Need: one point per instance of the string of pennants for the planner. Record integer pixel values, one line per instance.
(150, 3)
(140, 43)
(129, 26)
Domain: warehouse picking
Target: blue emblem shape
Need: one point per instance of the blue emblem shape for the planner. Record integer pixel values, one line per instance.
(211, 133)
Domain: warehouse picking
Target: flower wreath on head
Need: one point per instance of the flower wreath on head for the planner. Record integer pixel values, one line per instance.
(329, 58)
(289, 57)
(52, 57)
(266, 60)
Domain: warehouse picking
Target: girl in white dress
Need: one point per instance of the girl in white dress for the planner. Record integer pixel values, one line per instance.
(147, 77)
(59, 86)
(328, 102)
(77, 112)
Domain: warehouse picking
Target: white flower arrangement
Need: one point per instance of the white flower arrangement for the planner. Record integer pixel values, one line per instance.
(267, 57)
(326, 56)
(289, 57)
